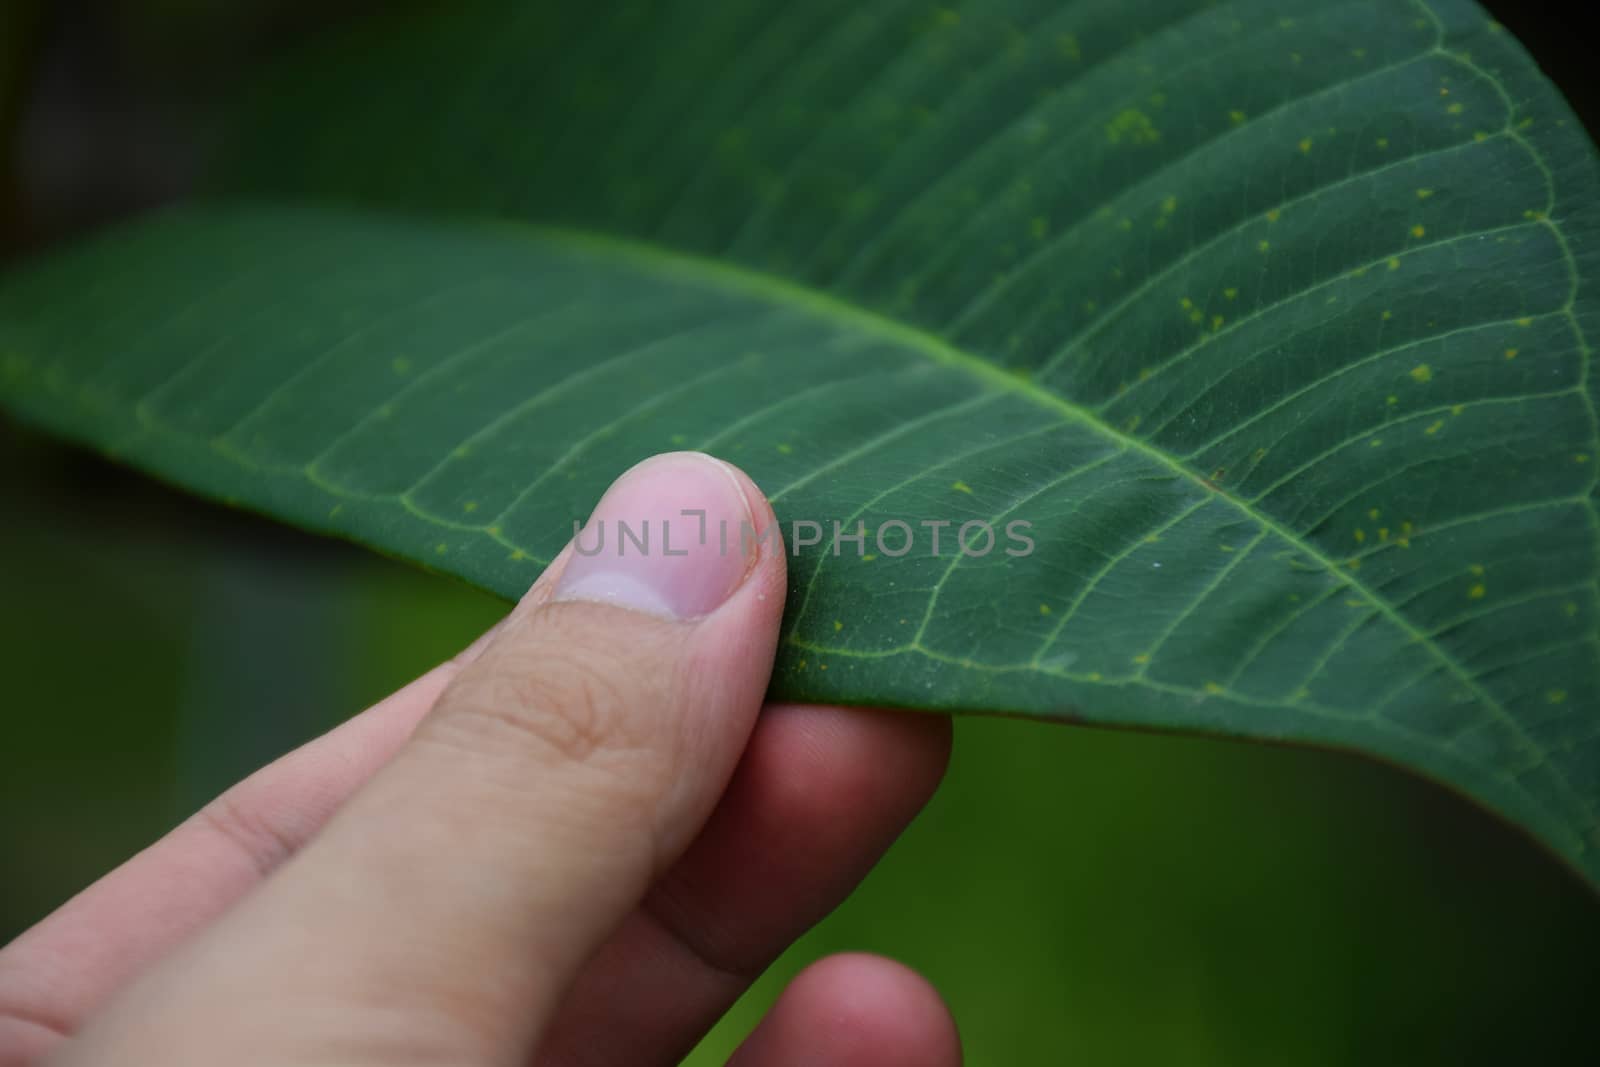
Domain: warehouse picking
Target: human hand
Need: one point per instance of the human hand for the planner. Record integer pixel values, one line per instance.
(576, 843)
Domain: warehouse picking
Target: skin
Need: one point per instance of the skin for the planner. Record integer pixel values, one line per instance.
(577, 843)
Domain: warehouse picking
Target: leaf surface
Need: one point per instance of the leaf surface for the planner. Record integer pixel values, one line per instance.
(1274, 320)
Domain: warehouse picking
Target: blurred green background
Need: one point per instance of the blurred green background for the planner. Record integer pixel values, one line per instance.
(1079, 896)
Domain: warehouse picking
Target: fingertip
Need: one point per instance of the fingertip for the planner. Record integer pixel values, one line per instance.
(767, 563)
(880, 1011)
(856, 1010)
(755, 500)
(671, 537)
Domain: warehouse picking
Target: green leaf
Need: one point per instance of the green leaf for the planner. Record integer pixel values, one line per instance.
(1274, 320)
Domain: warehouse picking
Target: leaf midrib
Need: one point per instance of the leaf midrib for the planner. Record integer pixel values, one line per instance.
(655, 259)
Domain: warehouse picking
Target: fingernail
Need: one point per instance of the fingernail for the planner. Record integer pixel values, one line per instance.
(669, 538)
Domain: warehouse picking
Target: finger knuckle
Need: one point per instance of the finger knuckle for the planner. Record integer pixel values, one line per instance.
(255, 834)
(563, 706)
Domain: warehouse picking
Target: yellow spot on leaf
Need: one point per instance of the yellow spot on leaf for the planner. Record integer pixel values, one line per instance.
(1569, 609)
(1305, 144)
(1476, 568)
(1393, 400)
(1376, 442)
(1274, 215)
(470, 506)
(1374, 514)
(1421, 373)
(961, 487)
(441, 548)
(401, 366)
(1216, 322)
(1360, 535)
(1353, 564)
(1169, 205)
(1394, 262)
(1382, 142)
(1423, 194)
(1236, 116)
(1230, 294)
(1556, 696)
(1214, 689)
(1143, 657)
(1525, 322)
(1133, 126)
(1383, 533)
(1580, 457)
(1477, 591)
(1456, 108)
(1094, 676)
(1434, 428)
(786, 449)
(1264, 246)
(518, 554)
(837, 625)
(1511, 353)
(1419, 230)
(1044, 609)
